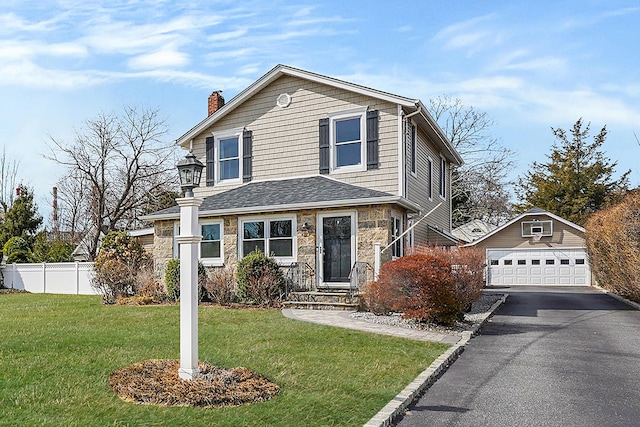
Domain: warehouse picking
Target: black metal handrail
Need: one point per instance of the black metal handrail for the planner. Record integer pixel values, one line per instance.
(299, 277)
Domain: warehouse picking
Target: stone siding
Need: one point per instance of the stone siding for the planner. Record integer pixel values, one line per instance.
(373, 226)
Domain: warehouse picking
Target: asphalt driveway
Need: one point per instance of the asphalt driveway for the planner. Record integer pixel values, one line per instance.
(549, 357)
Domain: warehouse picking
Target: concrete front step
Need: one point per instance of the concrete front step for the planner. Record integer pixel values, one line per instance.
(320, 305)
(320, 300)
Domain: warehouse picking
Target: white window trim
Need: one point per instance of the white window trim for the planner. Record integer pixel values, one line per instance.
(410, 236)
(343, 115)
(442, 178)
(413, 147)
(207, 262)
(230, 133)
(213, 262)
(320, 243)
(430, 178)
(395, 216)
(266, 218)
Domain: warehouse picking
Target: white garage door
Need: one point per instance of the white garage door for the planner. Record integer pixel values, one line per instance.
(554, 267)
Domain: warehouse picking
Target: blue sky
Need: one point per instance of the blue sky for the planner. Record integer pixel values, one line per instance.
(530, 65)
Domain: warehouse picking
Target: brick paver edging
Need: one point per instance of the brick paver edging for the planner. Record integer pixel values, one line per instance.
(399, 403)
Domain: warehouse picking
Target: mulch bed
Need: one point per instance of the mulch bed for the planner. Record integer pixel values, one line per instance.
(156, 382)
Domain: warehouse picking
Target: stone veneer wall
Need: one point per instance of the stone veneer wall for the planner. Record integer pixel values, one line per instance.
(374, 225)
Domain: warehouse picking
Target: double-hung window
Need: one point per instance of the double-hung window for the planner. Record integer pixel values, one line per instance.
(228, 149)
(211, 250)
(274, 236)
(414, 151)
(443, 177)
(430, 178)
(348, 141)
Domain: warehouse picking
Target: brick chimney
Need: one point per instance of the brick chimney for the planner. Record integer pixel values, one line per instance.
(216, 101)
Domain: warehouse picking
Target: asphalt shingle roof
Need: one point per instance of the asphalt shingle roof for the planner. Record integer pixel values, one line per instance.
(315, 189)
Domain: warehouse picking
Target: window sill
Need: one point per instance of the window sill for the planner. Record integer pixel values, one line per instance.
(348, 169)
(212, 262)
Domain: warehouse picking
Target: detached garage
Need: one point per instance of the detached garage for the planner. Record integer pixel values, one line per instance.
(536, 248)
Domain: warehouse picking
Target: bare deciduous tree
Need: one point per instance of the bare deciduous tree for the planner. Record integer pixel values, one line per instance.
(116, 164)
(480, 187)
(8, 174)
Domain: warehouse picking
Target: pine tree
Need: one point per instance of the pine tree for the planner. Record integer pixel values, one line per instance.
(577, 179)
(22, 219)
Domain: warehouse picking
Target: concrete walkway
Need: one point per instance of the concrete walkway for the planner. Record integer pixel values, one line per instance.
(342, 319)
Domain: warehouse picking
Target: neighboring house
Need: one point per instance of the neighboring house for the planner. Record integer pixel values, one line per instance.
(536, 248)
(473, 230)
(314, 171)
(144, 236)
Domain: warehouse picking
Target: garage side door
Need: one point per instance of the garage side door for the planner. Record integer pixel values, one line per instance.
(553, 267)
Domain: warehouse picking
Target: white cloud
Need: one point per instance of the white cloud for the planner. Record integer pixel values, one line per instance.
(12, 50)
(471, 34)
(166, 58)
(27, 73)
(228, 35)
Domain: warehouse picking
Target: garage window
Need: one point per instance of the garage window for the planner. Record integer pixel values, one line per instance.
(550, 262)
(535, 262)
(494, 262)
(579, 261)
(508, 262)
(522, 262)
(564, 261)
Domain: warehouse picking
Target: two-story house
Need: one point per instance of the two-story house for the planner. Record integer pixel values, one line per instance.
(315, 170)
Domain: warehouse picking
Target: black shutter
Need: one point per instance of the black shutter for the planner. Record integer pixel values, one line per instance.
(211, 160)
(324, 146)
(247, 142)
(372, 140)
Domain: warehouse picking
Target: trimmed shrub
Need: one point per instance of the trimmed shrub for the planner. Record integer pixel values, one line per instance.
(467, 267)
(420, 286)
(221, 286)
(260, 280)
(172, 280)
(613, 245)
(121, 267)
(17, 250)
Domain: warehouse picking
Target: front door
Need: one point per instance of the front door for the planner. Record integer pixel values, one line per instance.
(336, 248)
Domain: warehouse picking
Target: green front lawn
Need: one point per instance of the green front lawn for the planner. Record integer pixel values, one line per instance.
(56, 353)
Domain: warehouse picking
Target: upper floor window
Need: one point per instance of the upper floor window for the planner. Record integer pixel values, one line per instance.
(443, 177)
(430, 178)
(229, 157)
(414, 151)
(348, 141)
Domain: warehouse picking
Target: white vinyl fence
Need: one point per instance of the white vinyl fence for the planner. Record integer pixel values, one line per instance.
(50, 278)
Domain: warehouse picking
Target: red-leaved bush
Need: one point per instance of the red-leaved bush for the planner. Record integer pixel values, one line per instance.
(420, 286)
(467, 267)
(434, 285)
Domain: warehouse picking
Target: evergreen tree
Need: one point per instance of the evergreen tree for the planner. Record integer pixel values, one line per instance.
(577, 179)
(22, 219)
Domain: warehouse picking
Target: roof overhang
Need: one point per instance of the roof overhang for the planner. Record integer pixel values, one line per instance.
(530, 213)
(401, 201)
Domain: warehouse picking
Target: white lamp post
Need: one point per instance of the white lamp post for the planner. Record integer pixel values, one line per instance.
(190, 171)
